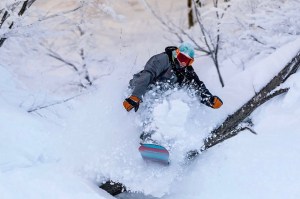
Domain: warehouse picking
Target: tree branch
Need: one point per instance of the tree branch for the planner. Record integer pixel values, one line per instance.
(59, 58)
(213, 47)
(51, 104)
(230, 127)
(84, 68)
(25, 6)
(23, 9)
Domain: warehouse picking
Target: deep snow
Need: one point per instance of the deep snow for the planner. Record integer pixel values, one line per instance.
(67, 150)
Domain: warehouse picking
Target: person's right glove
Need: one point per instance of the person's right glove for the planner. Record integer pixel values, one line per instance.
(132, 102)
(216, 102)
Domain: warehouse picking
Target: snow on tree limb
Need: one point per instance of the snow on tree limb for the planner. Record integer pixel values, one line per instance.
(212, 40)
(231, 126)
(6, 15)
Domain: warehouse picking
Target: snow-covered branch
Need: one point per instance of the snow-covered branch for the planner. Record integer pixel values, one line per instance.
(212, 36)
(6, 15)
(208, 39)
(257, 28)
(230, 127)
(80, 70)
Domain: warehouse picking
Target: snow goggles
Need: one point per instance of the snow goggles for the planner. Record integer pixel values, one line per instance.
(184, 58)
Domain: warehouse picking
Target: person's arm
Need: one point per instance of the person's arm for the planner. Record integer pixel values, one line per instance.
(153, 68)
(205, 96)
(140, 83)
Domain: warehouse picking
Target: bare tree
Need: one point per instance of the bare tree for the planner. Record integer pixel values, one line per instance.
(81, 39)
(211, 39)
(190, 13)
(80, 69)
(65, 45)
(65, 51)
(253, 36)
(78, 38)
(173, 28)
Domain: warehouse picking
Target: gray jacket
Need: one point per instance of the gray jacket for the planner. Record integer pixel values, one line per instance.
(161, 68)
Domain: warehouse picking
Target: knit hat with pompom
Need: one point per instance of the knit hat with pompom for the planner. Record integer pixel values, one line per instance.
(187, 49)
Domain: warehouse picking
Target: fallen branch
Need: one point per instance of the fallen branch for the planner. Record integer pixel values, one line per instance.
(230, 127)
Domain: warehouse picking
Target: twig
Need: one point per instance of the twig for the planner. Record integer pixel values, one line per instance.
(60, 14)
(59, 58)
(52, 104)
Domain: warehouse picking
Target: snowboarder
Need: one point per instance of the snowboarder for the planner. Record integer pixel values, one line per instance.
(164, 71)
(174, 66)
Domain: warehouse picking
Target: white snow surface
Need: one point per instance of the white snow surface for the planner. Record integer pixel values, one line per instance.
(67, 150)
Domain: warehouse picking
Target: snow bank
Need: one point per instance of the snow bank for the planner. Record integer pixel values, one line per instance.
(48, 182)
(29, 164)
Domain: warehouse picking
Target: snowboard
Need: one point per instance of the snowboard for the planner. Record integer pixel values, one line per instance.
(154, 153)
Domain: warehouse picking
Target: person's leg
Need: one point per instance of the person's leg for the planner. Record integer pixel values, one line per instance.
(147, 125)
(152, 98)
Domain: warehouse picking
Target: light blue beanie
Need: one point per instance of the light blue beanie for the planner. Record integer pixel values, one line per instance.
(187, 49)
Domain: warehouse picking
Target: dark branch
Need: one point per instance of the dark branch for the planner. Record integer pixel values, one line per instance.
(113, 188)
(23, 9)
(51, 104)
(59, 58)
(25, 6)
(84, 68)
(230, 127)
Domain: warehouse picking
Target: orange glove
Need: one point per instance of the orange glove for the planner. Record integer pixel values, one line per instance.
(132, 102)
(216, 102)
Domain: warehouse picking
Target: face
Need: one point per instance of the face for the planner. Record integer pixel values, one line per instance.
(182, 64)
(184, 60)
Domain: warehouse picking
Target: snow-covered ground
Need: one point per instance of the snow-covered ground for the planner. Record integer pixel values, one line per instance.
(67, 150)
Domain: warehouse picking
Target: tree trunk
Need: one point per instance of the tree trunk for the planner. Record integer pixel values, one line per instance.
(190, 13)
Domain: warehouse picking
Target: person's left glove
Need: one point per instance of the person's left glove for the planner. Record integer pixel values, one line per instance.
(132, 102)
(216, 102)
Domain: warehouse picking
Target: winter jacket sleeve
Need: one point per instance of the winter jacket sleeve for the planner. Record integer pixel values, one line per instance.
(153, 69)
(195, 83)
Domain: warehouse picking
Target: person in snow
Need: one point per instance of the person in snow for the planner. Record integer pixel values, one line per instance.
(174, 66)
